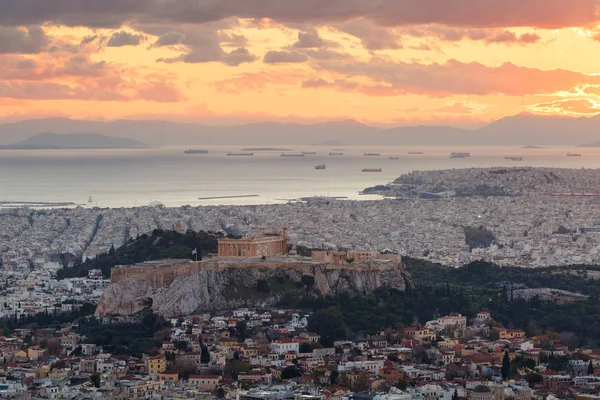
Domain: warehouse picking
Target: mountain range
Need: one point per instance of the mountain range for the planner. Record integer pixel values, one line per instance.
(74, 141)
(518, 130)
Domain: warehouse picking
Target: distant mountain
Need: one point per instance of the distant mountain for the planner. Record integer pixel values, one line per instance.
(75, 141)
(542, 129)
(592, 144)
(518, 130)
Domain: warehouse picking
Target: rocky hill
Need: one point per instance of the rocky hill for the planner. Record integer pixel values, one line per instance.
(182, 287)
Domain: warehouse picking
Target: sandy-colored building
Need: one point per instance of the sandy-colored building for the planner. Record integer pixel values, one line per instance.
(251, 247)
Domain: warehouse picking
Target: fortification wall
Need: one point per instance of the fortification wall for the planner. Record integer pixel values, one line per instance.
(164, 274)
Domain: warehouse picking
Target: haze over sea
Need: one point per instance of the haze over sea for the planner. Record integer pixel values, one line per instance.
(137, 177)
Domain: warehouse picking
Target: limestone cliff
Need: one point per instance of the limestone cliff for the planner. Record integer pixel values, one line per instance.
(184, 288)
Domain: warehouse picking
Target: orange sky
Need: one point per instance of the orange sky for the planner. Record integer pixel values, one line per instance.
(457, 62)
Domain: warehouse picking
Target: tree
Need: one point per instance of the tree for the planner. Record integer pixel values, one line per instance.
(590, 370)
(262, 285)
(329, 323)
(455, 394)
(205, 355)
(505, 365)
(333, 378)
(305, 348)
(290, 373)
(95, 379)
(181, 346)
(220, 393)
(242, 328)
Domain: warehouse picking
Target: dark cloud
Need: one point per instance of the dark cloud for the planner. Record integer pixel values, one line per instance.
(281, 57)
(548, 14)
(372, 37)
(309, 40)
(122, 38)
(30, 40)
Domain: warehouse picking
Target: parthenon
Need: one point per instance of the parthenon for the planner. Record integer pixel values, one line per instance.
(252, 246)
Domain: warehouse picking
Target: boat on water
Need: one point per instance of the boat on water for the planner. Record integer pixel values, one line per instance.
(372, 170)
(196, 151)
(394, 158)
(514, 158)
(415, 152)
(335, 153)
(242, 154)
(371, 155)
(320, 167)
(459, 155)
(90, 200)
(309, 153)
(573, 155)
(292, 155)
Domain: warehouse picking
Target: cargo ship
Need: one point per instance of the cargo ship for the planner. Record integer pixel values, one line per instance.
(415, 152)
(514, 158)
(371, 155)
(292, 155)
(394, 158)
(196, 151)
(573, 155)
(242, 154)
(320, 167)
(335, 153)
(459, 155)
(309, 153)
(372, 170)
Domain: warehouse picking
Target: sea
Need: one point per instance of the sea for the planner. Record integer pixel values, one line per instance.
(139, 177)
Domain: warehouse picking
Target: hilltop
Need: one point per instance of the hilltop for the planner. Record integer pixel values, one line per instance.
(75, 141)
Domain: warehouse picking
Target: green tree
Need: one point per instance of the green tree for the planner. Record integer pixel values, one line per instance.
(181, 346)
(455, 394)
(505, 365)
(329, 323)
(242, 328)
(205, 355)
(95, 379)
(590, 370)
(290, 373)
(333, 378)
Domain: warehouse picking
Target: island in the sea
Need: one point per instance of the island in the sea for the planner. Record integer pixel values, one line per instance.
(49, 141)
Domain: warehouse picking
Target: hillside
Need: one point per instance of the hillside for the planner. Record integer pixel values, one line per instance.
(156, 246)
(75, 141)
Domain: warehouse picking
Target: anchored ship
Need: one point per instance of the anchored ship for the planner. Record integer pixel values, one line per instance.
(514, 158)
(321, 166)
(372, 170)
(292, 154)
(371, 154)
(240, 154)
(335, 153)
(573, 155)
(196, 151)
(459, 155)
(394, 158)
(415, 152)
(309, 153)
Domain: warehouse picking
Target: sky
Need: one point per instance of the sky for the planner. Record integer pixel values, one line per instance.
(383, 62)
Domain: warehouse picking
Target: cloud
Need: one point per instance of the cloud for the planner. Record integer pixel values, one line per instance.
(567, 106)
(453, 34)
(546, 14)
(122, 38)
(372, 37)
(394, 78)
(455, 108)
(311, 40)
(285, 77)
(29, 40)
(279, 57)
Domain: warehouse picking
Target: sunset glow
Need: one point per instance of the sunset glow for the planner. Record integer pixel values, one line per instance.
(459, 62)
